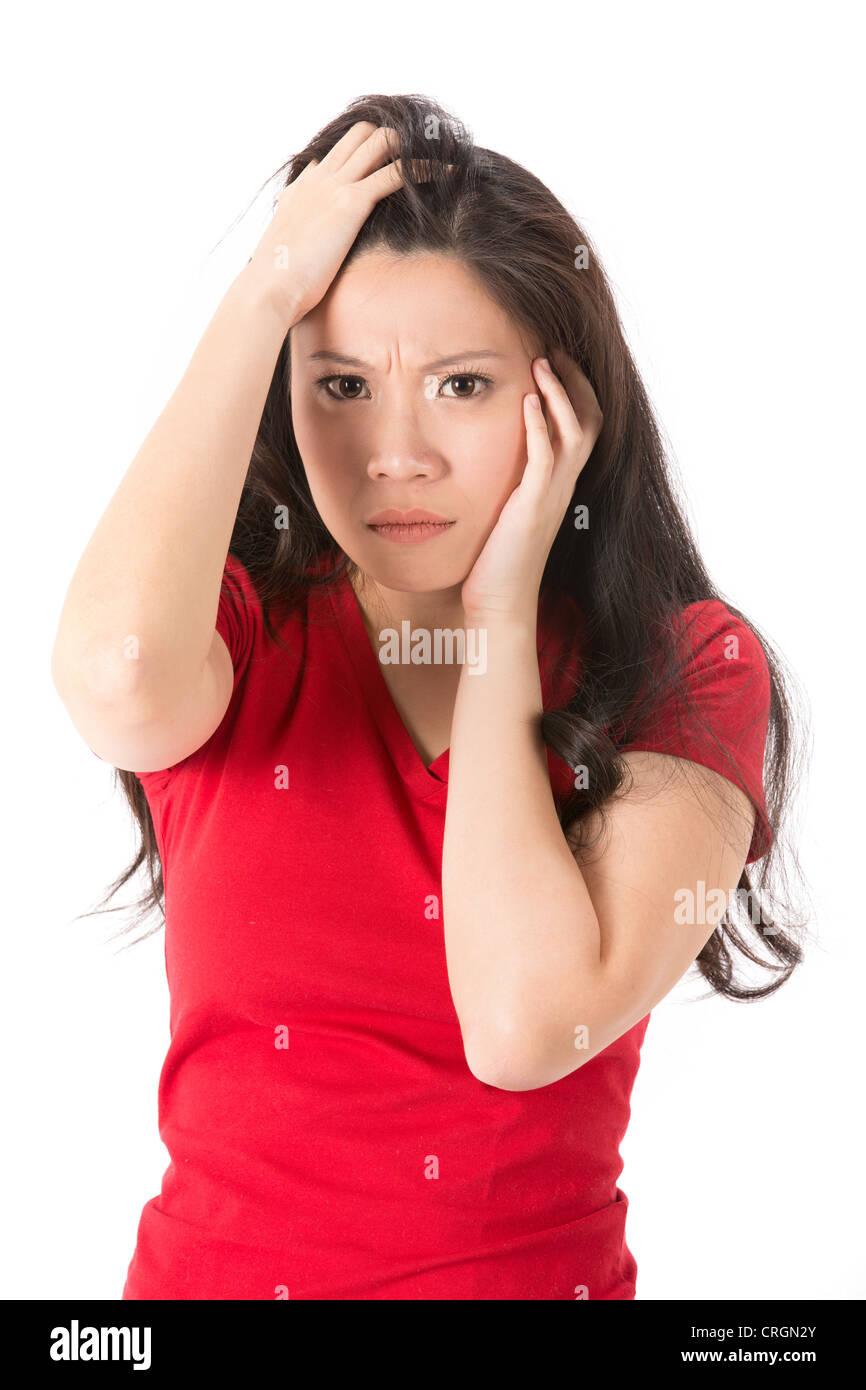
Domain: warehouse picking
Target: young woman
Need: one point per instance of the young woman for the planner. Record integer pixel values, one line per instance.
(449, 755)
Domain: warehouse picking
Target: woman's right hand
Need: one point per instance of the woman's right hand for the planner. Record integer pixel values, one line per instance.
(319, 215)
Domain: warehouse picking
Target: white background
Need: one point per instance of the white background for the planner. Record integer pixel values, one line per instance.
(714, 158)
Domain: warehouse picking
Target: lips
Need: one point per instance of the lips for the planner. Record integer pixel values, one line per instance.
(391, 517)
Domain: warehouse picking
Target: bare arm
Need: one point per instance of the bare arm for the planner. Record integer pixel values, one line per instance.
(136, 660)
(553, 953)
(153, 567)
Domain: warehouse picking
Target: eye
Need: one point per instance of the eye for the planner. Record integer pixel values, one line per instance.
(324, 382)
(461, 377)
(467, 376)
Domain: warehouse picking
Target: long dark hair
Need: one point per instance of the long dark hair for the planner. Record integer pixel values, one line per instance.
(636, 566)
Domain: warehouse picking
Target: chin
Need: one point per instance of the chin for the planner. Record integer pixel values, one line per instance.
(406, 571)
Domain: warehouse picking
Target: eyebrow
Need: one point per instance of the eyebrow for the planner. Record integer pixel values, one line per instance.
(325, 354)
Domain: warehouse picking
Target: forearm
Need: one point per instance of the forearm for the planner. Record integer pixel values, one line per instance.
(152, 569)
(519, 924)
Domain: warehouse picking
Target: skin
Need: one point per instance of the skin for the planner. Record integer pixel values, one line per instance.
(539, 943)
(399, 438)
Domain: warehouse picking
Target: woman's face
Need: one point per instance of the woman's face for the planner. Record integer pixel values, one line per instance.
(410, 422)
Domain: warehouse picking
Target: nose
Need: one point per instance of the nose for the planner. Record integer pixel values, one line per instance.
(404, 464)
(399, 448)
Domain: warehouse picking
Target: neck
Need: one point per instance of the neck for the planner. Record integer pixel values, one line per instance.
(382, 607)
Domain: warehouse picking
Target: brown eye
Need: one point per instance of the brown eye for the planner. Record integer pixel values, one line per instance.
(472, 378)
(324, 385)
(467, 381)
(353, 380)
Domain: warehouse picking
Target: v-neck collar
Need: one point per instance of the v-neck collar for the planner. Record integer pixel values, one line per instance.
(425, 780)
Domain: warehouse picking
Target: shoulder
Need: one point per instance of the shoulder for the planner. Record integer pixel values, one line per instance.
(239, 613)
(717, 644)
(711, 618)
(718, 713)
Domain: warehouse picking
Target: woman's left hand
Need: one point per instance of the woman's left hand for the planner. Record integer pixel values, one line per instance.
(506, 578)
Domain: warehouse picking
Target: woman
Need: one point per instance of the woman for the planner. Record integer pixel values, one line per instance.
(448, 753)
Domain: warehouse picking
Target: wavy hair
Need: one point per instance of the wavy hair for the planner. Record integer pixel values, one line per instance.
(636, 566)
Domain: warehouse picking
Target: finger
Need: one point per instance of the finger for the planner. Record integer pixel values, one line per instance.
(377, 149)
(576, 411)
(343, 149)
(382, 181)
(579, 388)
(558, 402)
(539, 449)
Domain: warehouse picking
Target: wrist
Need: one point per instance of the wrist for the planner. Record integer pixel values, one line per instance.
(259, 293)
(505, 620)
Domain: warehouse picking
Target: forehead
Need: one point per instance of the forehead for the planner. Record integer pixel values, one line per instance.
(426, 304)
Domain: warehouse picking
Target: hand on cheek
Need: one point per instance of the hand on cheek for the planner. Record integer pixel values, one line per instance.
(560, 432)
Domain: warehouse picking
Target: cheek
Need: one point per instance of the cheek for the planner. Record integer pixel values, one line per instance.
(504, 432)
(494, 457)
(307, 428)
(314, 436)
(315, 452)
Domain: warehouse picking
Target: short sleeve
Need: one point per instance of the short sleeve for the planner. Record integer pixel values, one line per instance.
(238, 621)
(727, 677)
(238, 617)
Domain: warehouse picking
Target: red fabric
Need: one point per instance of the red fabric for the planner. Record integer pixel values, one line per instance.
(727, 677)
(728, 681)
(363, 1160)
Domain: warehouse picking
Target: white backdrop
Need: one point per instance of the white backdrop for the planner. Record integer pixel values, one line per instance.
(713, 158)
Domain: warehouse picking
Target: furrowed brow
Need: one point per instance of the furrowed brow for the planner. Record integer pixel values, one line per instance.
(326, 355)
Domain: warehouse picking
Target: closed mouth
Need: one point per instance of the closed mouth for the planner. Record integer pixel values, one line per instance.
(406, 525)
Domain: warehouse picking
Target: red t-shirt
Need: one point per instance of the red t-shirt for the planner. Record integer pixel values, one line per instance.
(327, 1139)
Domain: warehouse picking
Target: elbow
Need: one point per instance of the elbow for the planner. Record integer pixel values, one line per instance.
(508, 1062)
(523, 1059)
(102, 680)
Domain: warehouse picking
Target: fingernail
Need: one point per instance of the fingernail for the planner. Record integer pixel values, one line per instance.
(544, 364)
(533, 400)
